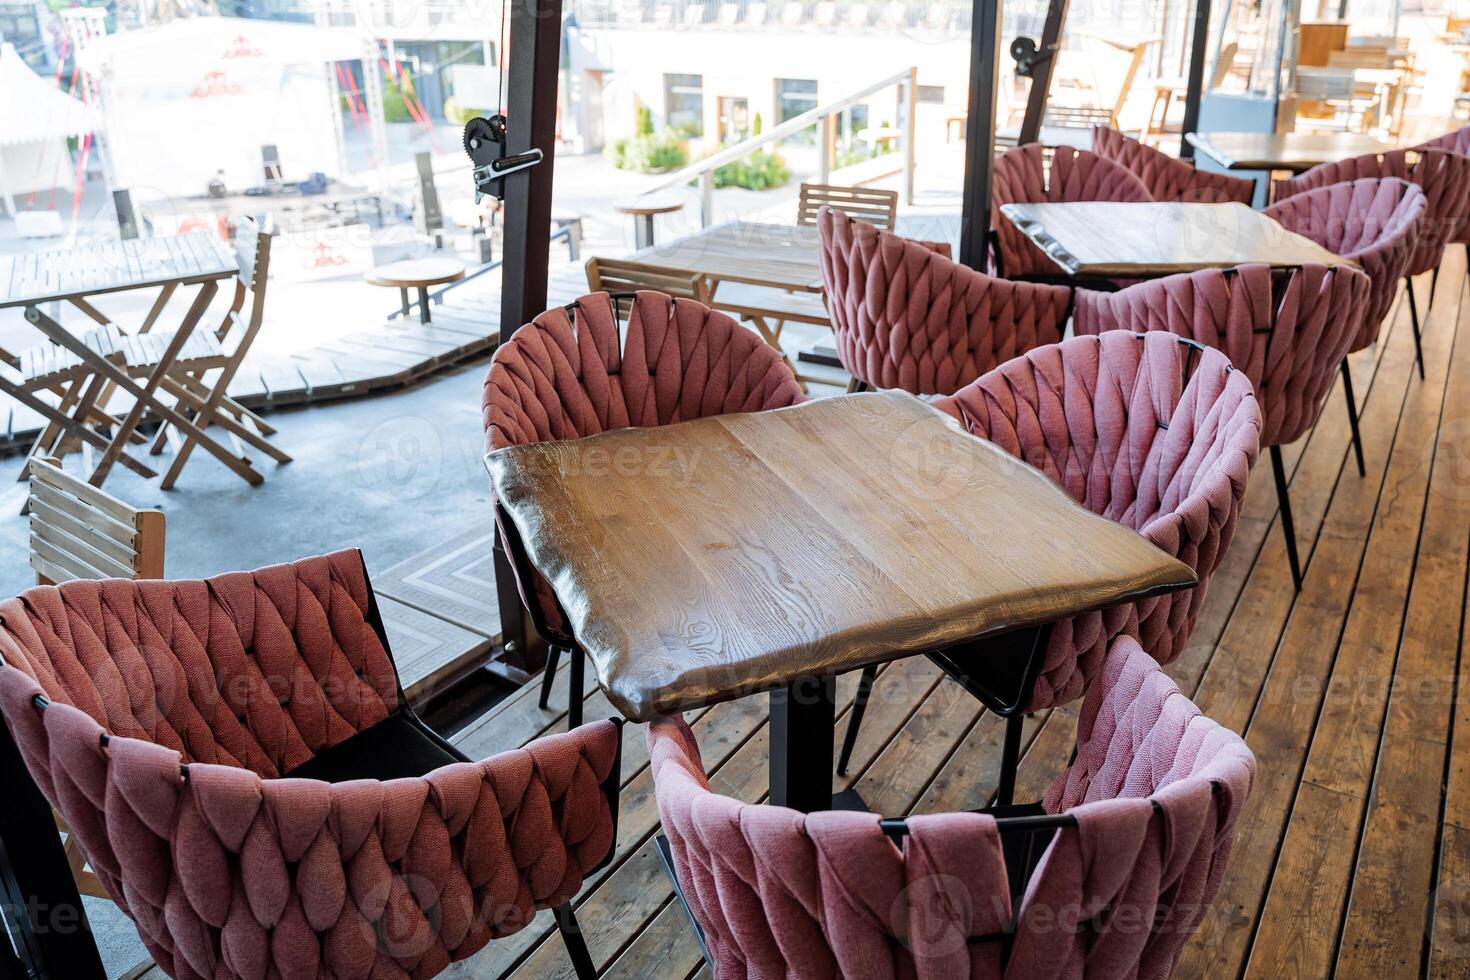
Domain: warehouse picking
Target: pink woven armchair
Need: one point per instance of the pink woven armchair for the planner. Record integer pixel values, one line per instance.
(1443, 176)
(1454, 142)
(1022, 174)
(907, 317)
(575, 372)
(1137, 835)
(1373, 221)
(1149, 430)
(1287, 331)
(1169, 178)
(236, 760)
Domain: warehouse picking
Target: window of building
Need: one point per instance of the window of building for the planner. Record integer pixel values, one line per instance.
(684, 104)
(793, 97)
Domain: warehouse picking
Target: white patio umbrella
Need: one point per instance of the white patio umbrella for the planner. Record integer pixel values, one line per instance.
(36, 118)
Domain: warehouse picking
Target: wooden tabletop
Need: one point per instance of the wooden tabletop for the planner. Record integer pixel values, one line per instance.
(434, 270)
(1283, 151)
(730, 555)
(106, 267)
(651, 204)
(1143, 240)
(786, 256)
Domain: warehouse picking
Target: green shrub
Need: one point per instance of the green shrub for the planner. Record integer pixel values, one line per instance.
(643, 125)
(649, 153)
(394, 109)
(759, 171)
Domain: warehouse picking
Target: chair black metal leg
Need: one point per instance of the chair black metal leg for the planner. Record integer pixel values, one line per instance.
(1284, 500)
(855, 718)
(1414, 320)
(1352, 405)
(1433, 288)
(1010, 760)
(574, 691)
(571, 934)
(553, 654)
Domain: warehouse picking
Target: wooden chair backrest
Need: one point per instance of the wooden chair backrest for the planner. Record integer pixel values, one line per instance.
(870, 204)
(253, 254)
(622, 276)
(81, 532)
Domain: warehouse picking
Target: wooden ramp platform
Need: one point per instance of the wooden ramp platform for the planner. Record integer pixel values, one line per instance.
(1354, 854)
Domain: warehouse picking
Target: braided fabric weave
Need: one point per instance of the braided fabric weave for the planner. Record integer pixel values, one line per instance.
(1169, 178)
(1156, 790)
(905, 316)
(1457, 141)
(1288, 340)
(1023, 175)
(1120, 422)
(565, 376)
(1443, 176)
(1374, 222)
(228, 874)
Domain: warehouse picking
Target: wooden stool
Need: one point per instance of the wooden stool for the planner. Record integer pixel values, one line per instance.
(643, 209)
(419, 274)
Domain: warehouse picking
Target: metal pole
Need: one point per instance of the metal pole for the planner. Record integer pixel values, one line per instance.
(909, 99)
(535, 44)
(980, 133)
(1196, 77)
(1051, 37)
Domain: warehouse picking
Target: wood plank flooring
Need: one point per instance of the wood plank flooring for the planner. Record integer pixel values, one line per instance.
(1353, 858)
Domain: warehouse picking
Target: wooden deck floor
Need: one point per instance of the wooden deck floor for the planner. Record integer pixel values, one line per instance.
(1353, 858)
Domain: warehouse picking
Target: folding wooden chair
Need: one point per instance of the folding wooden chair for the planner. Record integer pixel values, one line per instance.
(622, 276)
(870, 204)
(200, 376)
(81, 532)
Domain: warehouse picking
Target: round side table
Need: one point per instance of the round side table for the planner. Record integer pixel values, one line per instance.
(643, 209)
(417, 274)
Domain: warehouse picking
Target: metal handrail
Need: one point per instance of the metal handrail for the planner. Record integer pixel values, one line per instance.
(703, 170)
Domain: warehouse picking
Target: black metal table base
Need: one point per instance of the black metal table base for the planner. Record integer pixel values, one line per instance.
(803, 716)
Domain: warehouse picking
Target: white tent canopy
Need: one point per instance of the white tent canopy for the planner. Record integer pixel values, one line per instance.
(36, 118)
(195, 96)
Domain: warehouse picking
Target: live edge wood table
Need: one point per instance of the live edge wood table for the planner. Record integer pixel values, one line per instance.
(1294, 152)
(768, 552)
(1142, 240)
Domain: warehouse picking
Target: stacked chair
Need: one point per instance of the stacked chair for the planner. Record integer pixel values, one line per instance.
(576, 370)
(1444, 177)
(238, 763)
(1170, 178)
(1132, 839)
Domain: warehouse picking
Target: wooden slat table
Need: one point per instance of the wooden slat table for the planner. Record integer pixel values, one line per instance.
(1107, 239)
(1294, 152)
(768, 552)
(73, 275)
(783, 256)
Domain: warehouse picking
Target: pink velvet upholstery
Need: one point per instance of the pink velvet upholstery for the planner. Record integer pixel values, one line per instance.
(1443, 176)
(1023, 174)
(1156, 790)
(1120, 424)
(229, 871)
(1169, 178)
(907, 317)
(565, 377)
(1375, 222)
(1455, 142)
(1288, 343)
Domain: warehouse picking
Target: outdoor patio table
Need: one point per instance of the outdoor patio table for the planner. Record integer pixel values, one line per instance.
(784, 256)
(75, 274)
(1108, 239)
(768, 552)
(1295, 152)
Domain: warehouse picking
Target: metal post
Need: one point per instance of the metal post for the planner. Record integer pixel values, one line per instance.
(1051, 38)
(706, 199)
(826, 144)
(1195, 91)
(909, 99)
(535, 42)
(980, 133)
(802, 738)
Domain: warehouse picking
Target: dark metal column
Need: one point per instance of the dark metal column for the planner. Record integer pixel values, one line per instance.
(1051, 39)
(1195, 91)
(535, 51)
(980, 133)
